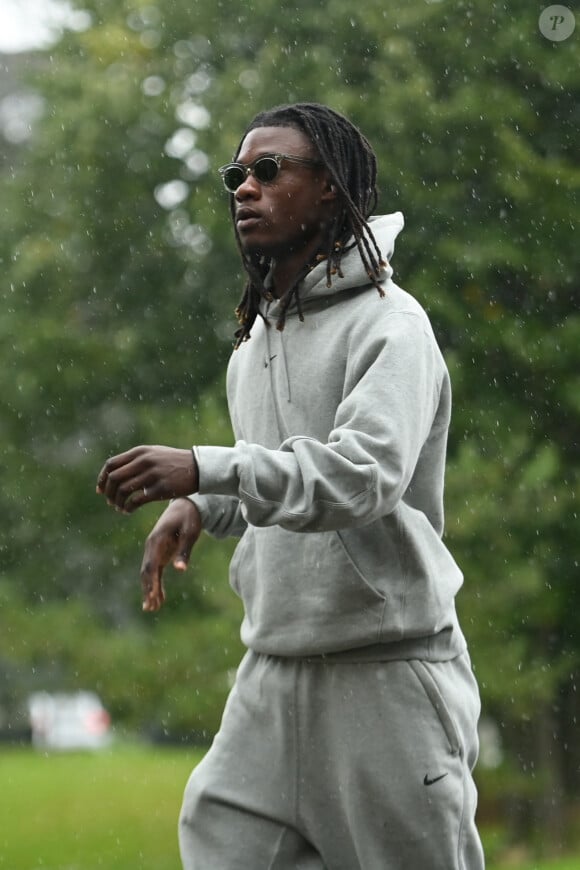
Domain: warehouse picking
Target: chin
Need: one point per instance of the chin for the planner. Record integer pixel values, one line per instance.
(255, 246)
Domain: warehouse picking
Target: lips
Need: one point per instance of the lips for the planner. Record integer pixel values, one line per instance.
(247, 217)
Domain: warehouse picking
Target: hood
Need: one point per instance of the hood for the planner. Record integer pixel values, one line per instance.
(385, 229)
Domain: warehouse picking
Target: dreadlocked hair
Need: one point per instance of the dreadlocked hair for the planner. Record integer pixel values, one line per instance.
(352, 165)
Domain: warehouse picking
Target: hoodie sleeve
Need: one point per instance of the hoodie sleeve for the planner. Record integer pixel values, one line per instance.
(392, 392)
(221, 515)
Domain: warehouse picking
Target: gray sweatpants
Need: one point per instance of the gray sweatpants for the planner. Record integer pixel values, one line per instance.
(338, 766)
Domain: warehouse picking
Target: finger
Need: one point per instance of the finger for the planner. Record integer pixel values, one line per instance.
(139, 495)
(181, 560)
(153, 589)
(159, 549)
(184, 546)
(112, 464)
(118, 469)
(187, 533)
(127, 488)
(154, 599)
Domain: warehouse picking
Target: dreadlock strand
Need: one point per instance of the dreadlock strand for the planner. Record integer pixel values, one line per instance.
(293, 293)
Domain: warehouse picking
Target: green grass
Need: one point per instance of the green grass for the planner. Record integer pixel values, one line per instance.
(115, 810)
(561, 864)
(501, 856)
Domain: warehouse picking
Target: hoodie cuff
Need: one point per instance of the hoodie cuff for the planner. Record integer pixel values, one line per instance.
(218, 470)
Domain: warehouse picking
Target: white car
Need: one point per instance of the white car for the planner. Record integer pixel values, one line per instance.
(69, 721)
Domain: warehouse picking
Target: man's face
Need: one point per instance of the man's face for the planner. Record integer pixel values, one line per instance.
(287, 216)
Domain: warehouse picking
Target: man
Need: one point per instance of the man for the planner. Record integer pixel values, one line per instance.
(349, 737)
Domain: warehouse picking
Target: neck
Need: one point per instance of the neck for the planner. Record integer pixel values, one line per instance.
(286, 270)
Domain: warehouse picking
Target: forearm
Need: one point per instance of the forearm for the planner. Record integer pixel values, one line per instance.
(304, 486)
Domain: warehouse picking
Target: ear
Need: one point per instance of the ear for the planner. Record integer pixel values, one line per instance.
(329, 191)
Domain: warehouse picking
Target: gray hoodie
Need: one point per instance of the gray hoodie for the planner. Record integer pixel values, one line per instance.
(335, 482)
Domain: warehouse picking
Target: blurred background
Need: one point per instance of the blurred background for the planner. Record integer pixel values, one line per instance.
(119, 276)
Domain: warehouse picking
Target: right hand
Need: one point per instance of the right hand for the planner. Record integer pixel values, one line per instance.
(170, 541)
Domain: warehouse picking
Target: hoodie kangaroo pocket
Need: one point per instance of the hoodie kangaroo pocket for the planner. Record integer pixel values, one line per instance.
(302, 593)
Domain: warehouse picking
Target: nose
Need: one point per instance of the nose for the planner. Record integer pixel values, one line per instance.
(250, 188)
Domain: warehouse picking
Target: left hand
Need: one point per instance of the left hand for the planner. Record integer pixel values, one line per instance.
(146, 474)
(170, 542)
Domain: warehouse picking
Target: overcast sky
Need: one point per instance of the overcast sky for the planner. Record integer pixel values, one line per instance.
(29, 24)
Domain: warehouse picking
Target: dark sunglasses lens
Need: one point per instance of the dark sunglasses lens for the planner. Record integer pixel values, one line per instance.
(266, 169)
(233, 177)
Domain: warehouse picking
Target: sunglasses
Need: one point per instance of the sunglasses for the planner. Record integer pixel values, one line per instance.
(264, 169)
